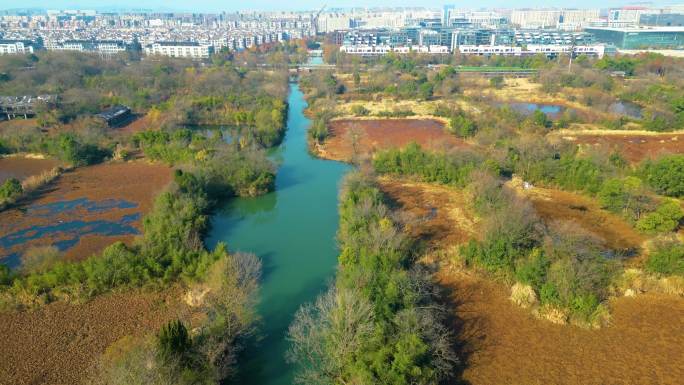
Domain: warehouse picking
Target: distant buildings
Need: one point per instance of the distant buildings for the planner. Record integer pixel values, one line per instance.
(626, 16)
(113, 33)
(363, 31)
(567, 19)
(641, 38)
(379, 50)
(10, 47)
(188, 49)
(108, 47)
(469, 41)
(662, 20)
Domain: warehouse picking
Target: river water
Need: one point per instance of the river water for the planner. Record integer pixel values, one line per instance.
(293, 231)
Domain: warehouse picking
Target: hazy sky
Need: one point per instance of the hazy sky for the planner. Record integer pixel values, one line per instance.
(233, 5)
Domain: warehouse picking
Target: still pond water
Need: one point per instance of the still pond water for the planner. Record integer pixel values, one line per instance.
(293, 231)
(554, 111)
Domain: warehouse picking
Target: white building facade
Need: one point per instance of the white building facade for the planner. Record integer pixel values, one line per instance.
(180, 49)
(8, 47)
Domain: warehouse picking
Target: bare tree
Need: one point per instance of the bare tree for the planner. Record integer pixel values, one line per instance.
(326, 334)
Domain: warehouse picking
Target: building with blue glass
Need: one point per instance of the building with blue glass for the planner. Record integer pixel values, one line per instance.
(640, 38)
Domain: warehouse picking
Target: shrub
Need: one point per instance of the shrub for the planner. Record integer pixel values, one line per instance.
(10, 189)
(666, 175)
(70, 148)
(497, 82)
(179, 146)
(6, 276)
(578, 284)
(623, 63)
(579, 174)
(35, 182)
(359, 110)
(397, 113)
(462, 126)
(38, 259)
(511, 229)
(612, 195)
(173, 341)
(431, 167)
(666, 218)
(666, 258)
(319, 127)
(532, 270)
(4, 148)
(624, 196)
(378, 324)
(539, 119)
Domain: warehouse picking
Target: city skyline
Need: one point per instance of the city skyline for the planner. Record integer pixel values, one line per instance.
(303, 5)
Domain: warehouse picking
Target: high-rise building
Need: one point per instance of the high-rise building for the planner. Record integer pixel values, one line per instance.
(568, 19)
(446, 13)
(536, 18)
(627, 16)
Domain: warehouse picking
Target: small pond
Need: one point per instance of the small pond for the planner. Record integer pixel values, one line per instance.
(551, 110)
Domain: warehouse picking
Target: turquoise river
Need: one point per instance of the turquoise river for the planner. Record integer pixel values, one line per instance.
(293, 231)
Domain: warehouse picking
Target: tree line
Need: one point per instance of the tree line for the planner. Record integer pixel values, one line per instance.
(379, 322)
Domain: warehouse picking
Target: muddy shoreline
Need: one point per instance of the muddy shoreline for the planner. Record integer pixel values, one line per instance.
(85, 210)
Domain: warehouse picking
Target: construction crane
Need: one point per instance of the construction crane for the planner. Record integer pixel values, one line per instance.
(314, 19)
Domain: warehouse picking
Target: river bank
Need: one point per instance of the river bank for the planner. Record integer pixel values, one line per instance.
(293, 231)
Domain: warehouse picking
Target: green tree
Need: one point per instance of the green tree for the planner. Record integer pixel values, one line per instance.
(359, 110)
(10, 189)
(624, 196)
(462, 126)
(540, 119)
(666, 218)
(425, 91)
(173, 341)
(667, 258)
(666, 175)
(497, 82)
